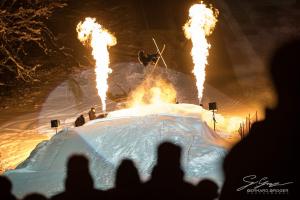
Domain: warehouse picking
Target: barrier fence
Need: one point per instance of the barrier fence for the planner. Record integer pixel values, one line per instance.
(246, 125)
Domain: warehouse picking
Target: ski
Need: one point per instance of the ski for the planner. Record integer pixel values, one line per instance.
(162, 51)
(159, 52)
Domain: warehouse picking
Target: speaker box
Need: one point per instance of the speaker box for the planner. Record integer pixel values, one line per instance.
(55, 123)
(212, 106)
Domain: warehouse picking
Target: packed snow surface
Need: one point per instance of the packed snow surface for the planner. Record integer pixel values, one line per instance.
(76, 95)
(130, 133)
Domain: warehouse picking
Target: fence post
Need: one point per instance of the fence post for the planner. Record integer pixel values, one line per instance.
(256, 117)
(249, 123)
(246, 123)
(243, 129)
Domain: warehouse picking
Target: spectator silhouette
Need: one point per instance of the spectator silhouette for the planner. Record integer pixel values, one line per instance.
(207, 190)
(127, 183)
(79, 182)
(268, 150)
(34, 196)
(5, 189)
(167, 176)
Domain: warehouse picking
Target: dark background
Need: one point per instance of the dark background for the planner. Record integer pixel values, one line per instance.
(262, 26)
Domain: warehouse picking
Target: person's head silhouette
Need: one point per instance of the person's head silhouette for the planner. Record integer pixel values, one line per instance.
(168, 154)
(167, 175)
(5, 189)
(127, 175)
(5, 184)
(207, 190)
(78, 175)
(168, 162)
(285, 73)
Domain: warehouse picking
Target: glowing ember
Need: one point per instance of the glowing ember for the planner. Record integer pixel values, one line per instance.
(93, 34)
(201, 24)
(152, 91)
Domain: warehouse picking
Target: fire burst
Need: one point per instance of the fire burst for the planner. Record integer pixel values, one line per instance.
(93, 34)
(201, 23)
(152, 91)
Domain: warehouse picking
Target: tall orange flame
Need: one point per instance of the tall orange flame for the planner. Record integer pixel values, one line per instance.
(93, 34)
(201, 23)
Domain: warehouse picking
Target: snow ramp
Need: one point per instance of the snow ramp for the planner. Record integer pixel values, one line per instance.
(130, 133)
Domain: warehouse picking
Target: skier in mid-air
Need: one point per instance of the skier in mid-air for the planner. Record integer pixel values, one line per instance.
(147, 59)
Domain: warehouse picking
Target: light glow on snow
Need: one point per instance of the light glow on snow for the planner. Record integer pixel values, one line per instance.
(201, 24)
(225, 124)
(15, 146)
(93, 34)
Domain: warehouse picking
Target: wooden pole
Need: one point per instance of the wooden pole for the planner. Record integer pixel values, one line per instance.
(246, 123)
(249, 123)
(256, 117)
(214, 120)
(242, 130)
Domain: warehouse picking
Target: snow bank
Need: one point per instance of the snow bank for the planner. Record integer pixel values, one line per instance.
(136, 136)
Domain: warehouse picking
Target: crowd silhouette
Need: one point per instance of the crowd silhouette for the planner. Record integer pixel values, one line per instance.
(263, 160)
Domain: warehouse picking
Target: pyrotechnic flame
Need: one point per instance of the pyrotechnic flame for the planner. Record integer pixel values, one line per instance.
(201, 23)
(93, 34)
(152, 91)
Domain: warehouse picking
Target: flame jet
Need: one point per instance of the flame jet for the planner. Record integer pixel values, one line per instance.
(93, 34)
(201, 23)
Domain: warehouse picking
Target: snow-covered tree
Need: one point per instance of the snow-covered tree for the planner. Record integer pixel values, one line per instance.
(23, 27)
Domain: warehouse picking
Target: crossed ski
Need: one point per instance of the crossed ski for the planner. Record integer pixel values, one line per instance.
(160, 53)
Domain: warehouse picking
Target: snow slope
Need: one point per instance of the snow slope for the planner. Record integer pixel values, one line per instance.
(76, 95)
(136, 136)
